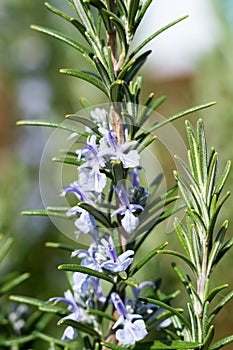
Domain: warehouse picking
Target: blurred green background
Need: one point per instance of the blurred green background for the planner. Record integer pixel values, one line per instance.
(32, 88)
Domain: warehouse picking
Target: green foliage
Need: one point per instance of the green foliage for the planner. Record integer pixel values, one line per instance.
(202, 241)
(108, 28)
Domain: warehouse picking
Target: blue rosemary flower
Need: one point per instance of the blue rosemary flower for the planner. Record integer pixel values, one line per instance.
(110, 148)
(94, 161)
(149, 311)
(134, 328)
(99, 116)
(137, 193)
(129, 221)
(82, 281)
(85, 223)
(116, 263)
(77, 314)
(101, 256)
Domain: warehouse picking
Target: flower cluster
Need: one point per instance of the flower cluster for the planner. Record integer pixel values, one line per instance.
(97, 158)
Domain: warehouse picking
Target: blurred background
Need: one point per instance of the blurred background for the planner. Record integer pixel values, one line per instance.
(191, 64)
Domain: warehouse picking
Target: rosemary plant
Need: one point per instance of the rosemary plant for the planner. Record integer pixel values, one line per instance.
(107, 305)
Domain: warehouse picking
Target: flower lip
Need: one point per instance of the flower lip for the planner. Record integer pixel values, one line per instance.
(73, 187)
(134, 327)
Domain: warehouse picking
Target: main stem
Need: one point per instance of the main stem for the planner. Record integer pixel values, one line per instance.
(115, 111)
(115, 107)
(201, 288)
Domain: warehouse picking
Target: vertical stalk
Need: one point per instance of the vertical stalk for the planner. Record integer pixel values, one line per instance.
(201, 289)
(115, 108)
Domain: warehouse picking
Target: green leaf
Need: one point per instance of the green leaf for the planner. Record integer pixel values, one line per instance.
(132, 11)
(216, 247)
(86, 270)
(146, 144)
(57, 245)
(87, 77)
(212, 171)
(7, 286)
(103, 73)
(94, 43)
(27, 300)
(19, 340)
(142, 14)
(184, 239)
(220, 305)
(112, 346)
(6, 247)
(120, 27)
(51, 340)
(214, 210)
(71, 20)
(175, 344)
(54, 310)
(205, 319)
(179, 255)
(151, 37)
(81, 327)
(215, 291)
(130, 69)
(46, 213)
(193, 154)
(148, 110)
(51, 125)
(221, 343)
(185, 279)
(56, 11)
(221, 182)
(66, 160)
(98, 215)
(140, 264)
(208, 339)
(101, 314)
(202, 151)
(175, 117)
(116, 90)
(90, 124)
(83, 14)
(169, 308)
(223, 250)
(132, 282)
(65, 39)
(149, 226)
(193, 321)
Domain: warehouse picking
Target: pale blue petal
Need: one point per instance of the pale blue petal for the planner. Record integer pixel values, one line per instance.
(129, 221)
(70, 333)
(100, 181)
(131, 332)
(109, 265)
(125, 337)
(86, 222)
(139, 329)
(125, 255)
(129, 160)
(125, 264)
